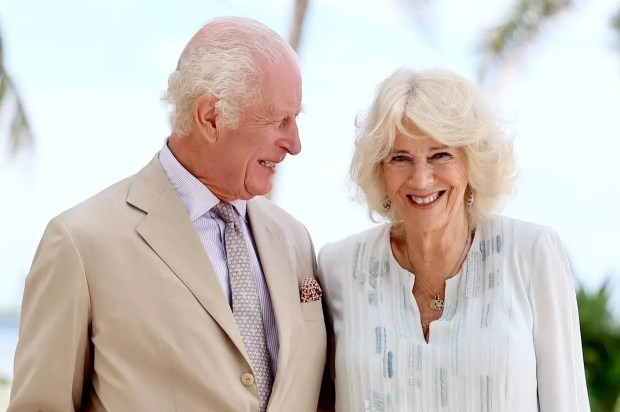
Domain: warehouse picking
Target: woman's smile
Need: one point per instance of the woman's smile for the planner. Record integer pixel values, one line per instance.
(425, 201)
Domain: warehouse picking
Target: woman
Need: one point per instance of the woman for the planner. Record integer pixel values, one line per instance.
(447, 306)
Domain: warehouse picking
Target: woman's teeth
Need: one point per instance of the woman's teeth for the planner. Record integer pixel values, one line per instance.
(424, 200)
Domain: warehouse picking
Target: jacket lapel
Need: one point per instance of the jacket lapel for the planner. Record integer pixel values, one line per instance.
(281, 281)
(167, 229)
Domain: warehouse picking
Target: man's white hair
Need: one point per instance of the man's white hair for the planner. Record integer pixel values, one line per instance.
(224, 59)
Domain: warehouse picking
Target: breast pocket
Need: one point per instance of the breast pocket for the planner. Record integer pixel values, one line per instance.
(312, 310)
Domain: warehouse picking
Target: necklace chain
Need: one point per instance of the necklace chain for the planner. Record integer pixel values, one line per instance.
(437, 303)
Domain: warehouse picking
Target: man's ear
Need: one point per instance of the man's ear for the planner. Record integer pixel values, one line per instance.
(204, 116)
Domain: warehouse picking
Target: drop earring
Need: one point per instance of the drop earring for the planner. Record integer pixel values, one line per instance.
(387, 203)
(470, 199)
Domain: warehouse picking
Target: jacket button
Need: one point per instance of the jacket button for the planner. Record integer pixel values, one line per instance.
(247, 379)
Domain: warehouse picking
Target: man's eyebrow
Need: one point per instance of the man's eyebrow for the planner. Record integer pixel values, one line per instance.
(275, 113)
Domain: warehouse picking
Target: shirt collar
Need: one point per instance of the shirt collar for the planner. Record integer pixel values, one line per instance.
(195, 196)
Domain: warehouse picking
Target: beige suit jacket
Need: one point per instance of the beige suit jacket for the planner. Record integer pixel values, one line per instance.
(122, 311)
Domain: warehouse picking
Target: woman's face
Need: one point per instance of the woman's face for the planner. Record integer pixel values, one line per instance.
(426, 182)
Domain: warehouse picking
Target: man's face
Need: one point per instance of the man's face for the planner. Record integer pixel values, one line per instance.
(267, 131)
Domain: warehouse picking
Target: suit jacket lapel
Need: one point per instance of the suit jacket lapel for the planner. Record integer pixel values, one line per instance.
(169, 232)
(281, 280)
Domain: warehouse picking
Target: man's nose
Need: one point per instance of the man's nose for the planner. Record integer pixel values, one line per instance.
(291, 142)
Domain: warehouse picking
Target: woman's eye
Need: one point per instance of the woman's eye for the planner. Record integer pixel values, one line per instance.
(441, 155)
(399, 158)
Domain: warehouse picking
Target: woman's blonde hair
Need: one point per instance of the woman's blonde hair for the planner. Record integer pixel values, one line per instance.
(449, 109)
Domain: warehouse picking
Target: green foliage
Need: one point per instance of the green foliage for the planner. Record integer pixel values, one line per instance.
(600, 337)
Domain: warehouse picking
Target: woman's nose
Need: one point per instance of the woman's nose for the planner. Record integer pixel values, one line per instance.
(421, 175)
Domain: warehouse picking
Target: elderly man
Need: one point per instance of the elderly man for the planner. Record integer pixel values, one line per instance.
(180, 288)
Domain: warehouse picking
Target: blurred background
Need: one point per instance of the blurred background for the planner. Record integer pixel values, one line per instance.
(80, 108)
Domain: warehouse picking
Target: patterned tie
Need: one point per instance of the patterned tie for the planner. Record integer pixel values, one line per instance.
(245, 303)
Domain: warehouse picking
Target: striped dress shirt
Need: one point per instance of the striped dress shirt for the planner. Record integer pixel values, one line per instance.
(199, 201)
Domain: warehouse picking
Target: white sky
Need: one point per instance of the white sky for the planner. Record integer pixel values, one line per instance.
(91, 74)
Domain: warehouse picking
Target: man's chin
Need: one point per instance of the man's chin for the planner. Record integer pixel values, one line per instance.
(265, 190)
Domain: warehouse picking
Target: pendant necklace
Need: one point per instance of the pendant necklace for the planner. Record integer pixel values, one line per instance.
(437, 303)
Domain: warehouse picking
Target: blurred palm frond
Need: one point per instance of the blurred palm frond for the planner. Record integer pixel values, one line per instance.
(615, 24)
(19, 134)
(523, 23)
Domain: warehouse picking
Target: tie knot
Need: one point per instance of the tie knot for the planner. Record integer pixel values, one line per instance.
(226, 212)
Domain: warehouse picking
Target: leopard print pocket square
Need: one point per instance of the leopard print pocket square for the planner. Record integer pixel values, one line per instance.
(310, 290)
